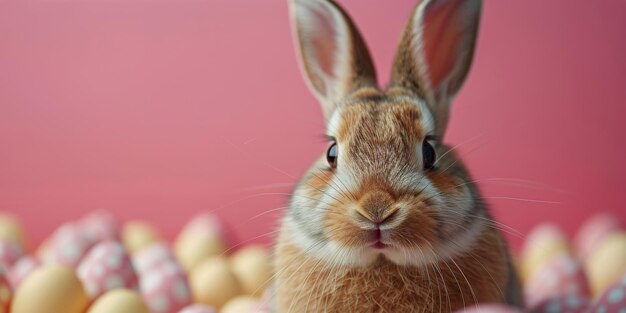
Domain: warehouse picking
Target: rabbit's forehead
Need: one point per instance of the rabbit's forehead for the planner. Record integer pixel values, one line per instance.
(381, 121)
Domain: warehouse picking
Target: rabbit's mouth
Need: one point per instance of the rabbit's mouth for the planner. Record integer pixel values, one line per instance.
(409, 235)
(377, 240)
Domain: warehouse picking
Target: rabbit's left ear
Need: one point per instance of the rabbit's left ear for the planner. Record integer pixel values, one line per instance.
(333, 55)
(435, 53)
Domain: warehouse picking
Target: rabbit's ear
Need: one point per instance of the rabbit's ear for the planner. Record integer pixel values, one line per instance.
(333, 54)
(435, 52)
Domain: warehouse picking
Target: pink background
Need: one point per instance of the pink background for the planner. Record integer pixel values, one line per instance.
(160, 109)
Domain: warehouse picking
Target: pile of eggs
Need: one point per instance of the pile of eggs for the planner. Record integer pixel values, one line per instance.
(96, 265)
(584, 275)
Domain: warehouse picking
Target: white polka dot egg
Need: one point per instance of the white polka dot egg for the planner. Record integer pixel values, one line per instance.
(107, 266)
(67, 246)
(562, 275)
(151, 256)
(165, 289)
(613, 300)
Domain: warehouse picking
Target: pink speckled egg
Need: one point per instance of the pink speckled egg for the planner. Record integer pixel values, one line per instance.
(107, 266)
(165, 289)
(67, 246)
(152, 255)
(5, 293)
(99, 226)
(10, 252)
(593, 231)
(490, 308)
(612, 300)
(198, 308)
(22, 268)
(562, 275)
(572, 303)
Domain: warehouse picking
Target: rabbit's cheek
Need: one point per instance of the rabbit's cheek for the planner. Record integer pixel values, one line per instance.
(416, 228)
(445, 183)
(457, 199)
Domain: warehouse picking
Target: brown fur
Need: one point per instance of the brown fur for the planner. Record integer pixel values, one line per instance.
(404, 236)
(308, 285)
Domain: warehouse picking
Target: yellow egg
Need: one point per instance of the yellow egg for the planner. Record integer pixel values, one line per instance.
(213, 283)
(192, 247)
(608, 263)
(252, 267)
(119, 301)
(241, 304)
(50, 289)
(138, 234)
(542, 244)
(11, 230)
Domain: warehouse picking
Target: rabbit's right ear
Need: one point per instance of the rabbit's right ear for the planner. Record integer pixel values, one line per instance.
(333, 55)
(435, 53)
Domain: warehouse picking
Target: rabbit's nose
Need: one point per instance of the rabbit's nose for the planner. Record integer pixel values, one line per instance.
(377, 207)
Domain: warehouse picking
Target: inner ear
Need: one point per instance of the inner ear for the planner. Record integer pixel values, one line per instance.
(333, 55)
(441, 40)
(435, 53)
(447, 47)
(324, 50)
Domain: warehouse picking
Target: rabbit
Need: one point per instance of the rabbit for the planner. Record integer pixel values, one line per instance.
(388, 219)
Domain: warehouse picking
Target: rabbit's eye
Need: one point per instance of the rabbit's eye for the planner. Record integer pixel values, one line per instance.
(331, 155)
(428, 153)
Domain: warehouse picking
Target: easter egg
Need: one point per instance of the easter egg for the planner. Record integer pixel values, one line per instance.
(206, 223)
(562, 275)
(593, 232)
(607, 263)
(198, 308)
(138, 234)
(66, 246)
(213, 283)
(107, 266)
(543, 243)
(22, 269)
(165, 289)
(50, 289)
(252, 267)
(571, 303)
(11, 230)
(489, 308)
(241, 304)
(119, 301)
(152, 255)
(200, 238)
(100, 225)
(613, 299)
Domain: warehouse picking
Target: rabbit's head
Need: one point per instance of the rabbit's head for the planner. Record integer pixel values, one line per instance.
(387, 185)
